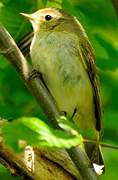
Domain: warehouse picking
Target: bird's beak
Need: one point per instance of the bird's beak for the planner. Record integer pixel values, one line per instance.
(33, 20)
(28, 16)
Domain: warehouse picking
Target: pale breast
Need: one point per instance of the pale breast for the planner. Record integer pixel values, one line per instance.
(57, 57)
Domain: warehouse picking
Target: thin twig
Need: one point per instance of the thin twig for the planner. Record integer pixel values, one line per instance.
(101, 143)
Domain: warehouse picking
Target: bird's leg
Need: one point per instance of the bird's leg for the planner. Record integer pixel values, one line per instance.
(34, 74)
(74, 112)
(64, 113)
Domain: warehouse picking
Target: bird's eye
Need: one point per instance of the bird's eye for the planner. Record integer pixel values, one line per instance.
(48, 17)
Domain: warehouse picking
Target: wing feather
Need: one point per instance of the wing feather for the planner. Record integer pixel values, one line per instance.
(89, 58)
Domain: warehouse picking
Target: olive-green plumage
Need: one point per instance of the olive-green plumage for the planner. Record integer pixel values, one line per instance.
(61, 52)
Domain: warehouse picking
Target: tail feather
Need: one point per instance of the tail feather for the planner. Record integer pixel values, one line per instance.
(94, 153)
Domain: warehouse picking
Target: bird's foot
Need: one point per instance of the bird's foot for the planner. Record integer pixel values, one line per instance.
(64, 113)
(74, 112)
(34, 74)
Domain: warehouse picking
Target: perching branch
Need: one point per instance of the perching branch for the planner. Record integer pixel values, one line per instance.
(10, 50)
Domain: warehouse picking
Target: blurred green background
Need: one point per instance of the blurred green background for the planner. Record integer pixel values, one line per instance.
(101, 24)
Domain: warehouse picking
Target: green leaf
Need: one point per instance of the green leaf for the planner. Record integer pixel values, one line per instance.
(14, 131)
(35, 132)
(67, 125)
(50, 137)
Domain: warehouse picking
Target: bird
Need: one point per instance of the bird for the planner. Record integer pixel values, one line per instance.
(62, 53)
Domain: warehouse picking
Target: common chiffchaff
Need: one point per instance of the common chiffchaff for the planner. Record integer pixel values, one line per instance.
(61, 52)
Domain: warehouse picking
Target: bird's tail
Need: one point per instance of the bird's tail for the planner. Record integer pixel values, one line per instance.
(94, 153)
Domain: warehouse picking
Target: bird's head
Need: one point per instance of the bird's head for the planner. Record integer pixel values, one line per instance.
(46, 18)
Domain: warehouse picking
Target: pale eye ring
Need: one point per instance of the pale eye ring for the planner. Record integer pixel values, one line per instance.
(48, 17)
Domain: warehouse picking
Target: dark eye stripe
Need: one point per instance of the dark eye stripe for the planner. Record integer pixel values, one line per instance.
(48, 17)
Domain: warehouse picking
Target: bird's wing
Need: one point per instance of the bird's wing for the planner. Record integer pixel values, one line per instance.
(25, 42)
(89, 61)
